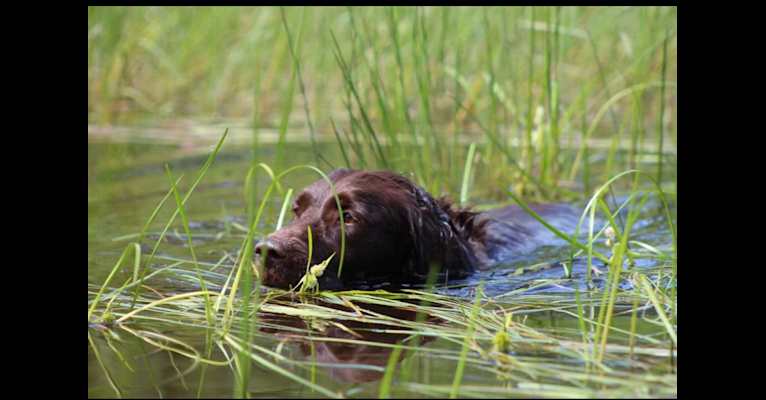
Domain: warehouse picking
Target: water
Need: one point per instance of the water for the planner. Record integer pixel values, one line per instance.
(127, 180)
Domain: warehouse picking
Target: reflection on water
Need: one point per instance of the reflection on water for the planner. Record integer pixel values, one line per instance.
(349, 351)
(138, 356)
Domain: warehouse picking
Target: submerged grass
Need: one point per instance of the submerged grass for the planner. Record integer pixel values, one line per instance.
(466, 345)
(531, 353)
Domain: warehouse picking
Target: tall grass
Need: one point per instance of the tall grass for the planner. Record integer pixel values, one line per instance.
(208, 305)
(529, 75)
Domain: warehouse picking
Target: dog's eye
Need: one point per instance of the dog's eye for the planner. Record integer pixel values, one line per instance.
(349, 219)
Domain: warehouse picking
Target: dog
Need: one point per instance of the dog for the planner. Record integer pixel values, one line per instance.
(396, 233)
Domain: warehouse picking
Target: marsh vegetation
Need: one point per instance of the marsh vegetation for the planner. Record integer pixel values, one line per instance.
(204, 122)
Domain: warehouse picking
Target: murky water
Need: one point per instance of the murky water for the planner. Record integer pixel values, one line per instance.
(127, 180)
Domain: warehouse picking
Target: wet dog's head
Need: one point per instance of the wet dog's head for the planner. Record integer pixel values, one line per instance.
(395, 232)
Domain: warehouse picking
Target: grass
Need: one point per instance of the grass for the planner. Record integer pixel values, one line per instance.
(536, 355)
(208, 304)
(529, 76)
(531, 104)
(466, 345)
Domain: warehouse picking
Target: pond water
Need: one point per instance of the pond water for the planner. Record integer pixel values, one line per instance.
(158, 355)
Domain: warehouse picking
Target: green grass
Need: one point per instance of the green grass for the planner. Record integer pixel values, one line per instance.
(466, 345)
(531, 104)
(457, 318)
(530, 76)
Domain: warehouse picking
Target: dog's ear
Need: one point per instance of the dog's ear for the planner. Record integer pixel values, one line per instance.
(436, 241)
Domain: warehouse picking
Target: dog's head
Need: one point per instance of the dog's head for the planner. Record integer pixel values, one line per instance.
(395, 232)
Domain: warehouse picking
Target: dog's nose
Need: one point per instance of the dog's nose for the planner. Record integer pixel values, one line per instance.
(273, 248)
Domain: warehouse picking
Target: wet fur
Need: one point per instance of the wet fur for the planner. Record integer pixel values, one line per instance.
(402, 232)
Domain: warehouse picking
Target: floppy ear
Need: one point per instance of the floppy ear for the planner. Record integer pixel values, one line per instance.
(436, 240)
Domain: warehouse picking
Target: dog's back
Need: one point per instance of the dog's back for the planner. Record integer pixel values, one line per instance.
(512, 231)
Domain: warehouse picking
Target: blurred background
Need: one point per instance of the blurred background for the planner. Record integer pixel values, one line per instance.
(561, 97)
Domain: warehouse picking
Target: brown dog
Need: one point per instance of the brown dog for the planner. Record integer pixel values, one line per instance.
(395, 233)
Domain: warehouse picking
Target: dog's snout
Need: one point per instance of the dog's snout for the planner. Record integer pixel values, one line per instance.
(274, 249)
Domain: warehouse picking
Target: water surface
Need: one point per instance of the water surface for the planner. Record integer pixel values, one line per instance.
(127, 180)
